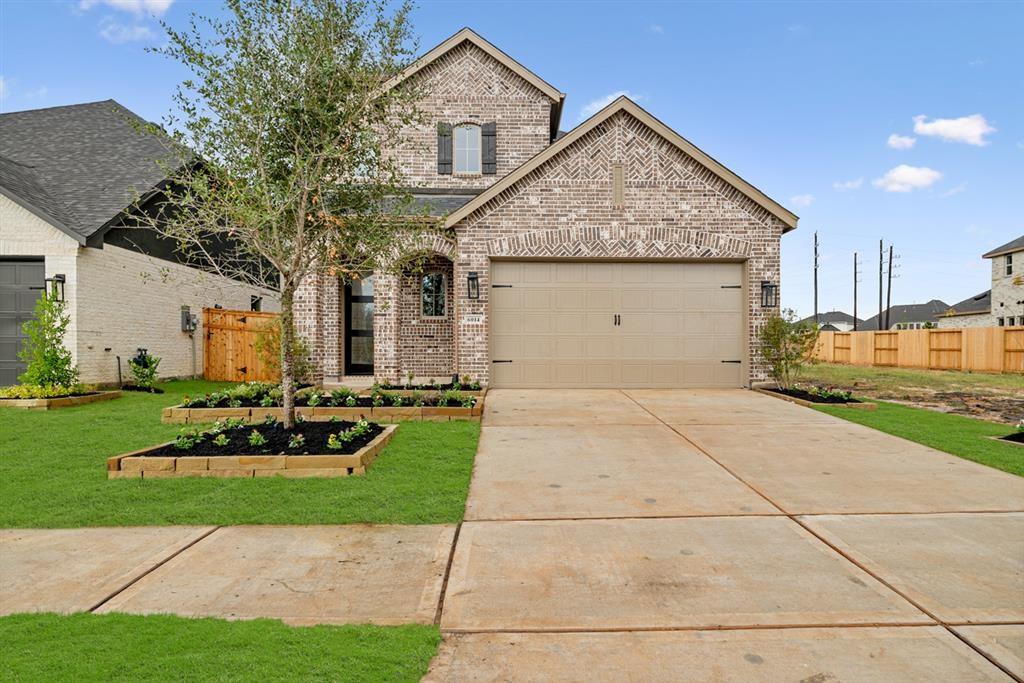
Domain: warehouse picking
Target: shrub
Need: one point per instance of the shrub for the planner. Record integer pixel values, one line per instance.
(785, 346)
(143, 367)
(44, 391)
(48, 362)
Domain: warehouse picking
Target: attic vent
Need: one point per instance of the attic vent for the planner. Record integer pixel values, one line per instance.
(618, 186)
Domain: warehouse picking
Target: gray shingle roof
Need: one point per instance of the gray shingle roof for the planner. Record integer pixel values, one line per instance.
(831, 317)
(1011, 246)
(908, 313)
(979, 303)
(21, 185)
(87, 162)
(439, 204)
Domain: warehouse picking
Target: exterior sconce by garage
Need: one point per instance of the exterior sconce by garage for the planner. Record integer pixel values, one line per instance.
(473, 285)
(769, 294)
(55, 286)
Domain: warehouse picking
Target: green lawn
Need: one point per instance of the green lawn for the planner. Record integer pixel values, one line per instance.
(956, 434)
(53, 474)
(90, 647)
(899, 380)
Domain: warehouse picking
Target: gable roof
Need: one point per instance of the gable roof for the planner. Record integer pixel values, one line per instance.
(625, 104)
(979, 303)
(80, 166)
(908, 313)
(19, 184)
(1008, 248)
(468, 34)
(831, 317)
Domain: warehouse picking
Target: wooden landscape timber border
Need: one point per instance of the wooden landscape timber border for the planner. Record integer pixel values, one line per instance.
(864, 405)
(58, 402)
(136, 465)
(972, 349)
(382, 414)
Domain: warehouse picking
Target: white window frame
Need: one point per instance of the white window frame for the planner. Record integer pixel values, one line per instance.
(464, 155)
(443, 295)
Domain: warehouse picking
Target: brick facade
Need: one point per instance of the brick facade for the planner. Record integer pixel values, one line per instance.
(673, 208)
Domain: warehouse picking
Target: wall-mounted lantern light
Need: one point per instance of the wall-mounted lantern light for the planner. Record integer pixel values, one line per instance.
(769, 294)
(473, 285)
(55, 286)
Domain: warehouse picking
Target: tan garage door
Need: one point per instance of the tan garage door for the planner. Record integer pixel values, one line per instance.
(576, 324)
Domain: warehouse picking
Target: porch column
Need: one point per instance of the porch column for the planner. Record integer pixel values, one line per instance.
(330, 327)
(308, 323)
(472, 355)
(387, 359)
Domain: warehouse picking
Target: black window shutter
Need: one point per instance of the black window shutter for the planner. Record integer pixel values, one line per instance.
(489, 142)
(444, 148)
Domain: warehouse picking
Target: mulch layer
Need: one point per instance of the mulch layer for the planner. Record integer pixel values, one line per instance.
(813, 398)
(316, 434)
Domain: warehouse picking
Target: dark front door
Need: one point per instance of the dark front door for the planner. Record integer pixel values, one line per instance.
(359, 327)
(21, 283)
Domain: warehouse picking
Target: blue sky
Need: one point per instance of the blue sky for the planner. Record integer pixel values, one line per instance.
(801, 99)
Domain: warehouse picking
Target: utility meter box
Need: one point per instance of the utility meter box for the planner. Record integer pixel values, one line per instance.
(188, 321)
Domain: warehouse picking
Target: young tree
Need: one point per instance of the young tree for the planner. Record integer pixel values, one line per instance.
(48, 361)
(786, 346)
(289, 115)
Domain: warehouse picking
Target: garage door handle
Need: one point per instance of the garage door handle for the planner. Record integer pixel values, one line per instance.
(732, 361)
(501, 361)
(732, 286)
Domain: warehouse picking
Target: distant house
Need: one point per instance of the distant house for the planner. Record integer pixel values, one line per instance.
(69, 177)
(1003, 304)
(834, 321)
(907, 316)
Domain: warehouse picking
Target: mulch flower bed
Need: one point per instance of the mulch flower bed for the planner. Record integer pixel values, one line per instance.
(75, 399)
(1016, 437)
(821, 396)
(276, 440)
(257, 395)
(136, 387)
(235, 448)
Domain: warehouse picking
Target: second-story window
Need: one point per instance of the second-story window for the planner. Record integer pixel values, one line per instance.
(1009, 264)
(467, 148)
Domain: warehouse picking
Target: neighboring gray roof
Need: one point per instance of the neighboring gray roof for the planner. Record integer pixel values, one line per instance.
(21, 185)
(979, 303)
(86, 162)
(908, 313)
(1009, 247)
(828, 327)
(831, 317)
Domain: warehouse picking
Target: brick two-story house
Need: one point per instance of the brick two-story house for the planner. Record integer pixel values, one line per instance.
(615, 255)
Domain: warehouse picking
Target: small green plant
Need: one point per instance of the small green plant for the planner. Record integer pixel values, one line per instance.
(187, 439)
(831, 393)
(417, 399)
(143, 367)
(343, 438)
(377, 400)
(314, 399)
(450, 397)
(338, 397)
(45, 391)
(468, 401)
(351, 401)
(785, 346)
(297, 441)
(234, 403)
(334, 418)
(48, 362)
(270, 420)
(256, 439)
(396, 400)
(221, 440)
(409, 378)
(234, 423)
(267, 401)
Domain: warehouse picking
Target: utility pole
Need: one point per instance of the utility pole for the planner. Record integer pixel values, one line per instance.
(854, 291)
(880, 250)
(815, 278)
(888, 295)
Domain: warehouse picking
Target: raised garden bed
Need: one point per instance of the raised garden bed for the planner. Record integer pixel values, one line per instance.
(472, 388)
(808, 398)
(228, 451)
(1015, 438)
(383, 408)
(59, 401)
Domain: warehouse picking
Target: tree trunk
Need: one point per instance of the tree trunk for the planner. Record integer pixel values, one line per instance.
(287, 359)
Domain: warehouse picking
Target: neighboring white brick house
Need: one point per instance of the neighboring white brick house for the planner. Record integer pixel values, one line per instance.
(1003, 304)
(119, 299)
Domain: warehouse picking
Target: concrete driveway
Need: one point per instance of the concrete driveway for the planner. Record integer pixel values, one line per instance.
(725, 535)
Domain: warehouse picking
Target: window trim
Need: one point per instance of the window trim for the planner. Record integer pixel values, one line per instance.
(479, 149)
(443, 294)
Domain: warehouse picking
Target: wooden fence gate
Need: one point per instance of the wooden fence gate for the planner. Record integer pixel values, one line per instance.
(229, 349)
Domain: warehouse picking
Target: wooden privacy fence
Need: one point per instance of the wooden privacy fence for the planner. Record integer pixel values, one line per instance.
(229, 349)
(980, 349)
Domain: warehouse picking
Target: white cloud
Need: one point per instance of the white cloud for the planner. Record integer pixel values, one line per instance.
(139, 8)
(845, 185)
(118, 33)
(905, 178)
(955, 190)
(976, 62)
(656, 28)
(900, 141)
(594, 106)
(802, 200)
(969, 129)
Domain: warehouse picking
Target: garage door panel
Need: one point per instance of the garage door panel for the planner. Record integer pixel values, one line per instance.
(677, 323)
(21, 285)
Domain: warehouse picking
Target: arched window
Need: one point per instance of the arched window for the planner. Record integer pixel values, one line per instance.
(467, 148)
(433, 295)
